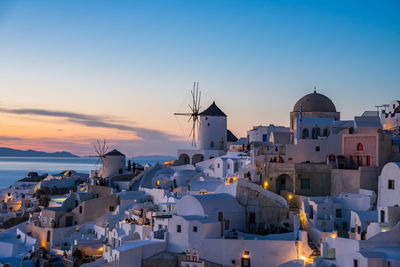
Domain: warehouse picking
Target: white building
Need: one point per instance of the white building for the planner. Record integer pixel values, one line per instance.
(329, 214)
(203, 216)
(224, 166)
(388, 199)
(263, 133)
(380, 250)
(391, 118)
(389, 185)
(15, 244)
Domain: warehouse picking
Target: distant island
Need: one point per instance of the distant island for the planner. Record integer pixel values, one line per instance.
(155, 158)
(9, 152)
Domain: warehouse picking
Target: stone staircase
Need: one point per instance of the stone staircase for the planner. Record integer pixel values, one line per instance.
(316, 253)
(294, 209)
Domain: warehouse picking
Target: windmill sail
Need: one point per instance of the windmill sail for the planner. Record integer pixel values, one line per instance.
(194, 114)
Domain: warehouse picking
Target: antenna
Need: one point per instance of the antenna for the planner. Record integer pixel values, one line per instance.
(195, 111)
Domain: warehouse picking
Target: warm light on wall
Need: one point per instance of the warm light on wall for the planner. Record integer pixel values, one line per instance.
(265, 185)
(246, 255)
(334, 235)
(158, 183)
(290, 196)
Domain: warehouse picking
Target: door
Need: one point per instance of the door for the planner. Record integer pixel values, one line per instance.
(68, 221)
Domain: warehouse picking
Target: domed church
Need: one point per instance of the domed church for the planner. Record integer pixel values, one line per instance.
(314, 105)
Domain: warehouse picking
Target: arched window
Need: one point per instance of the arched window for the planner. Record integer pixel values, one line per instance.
(360, 147)
(306, 134)
(316, 132)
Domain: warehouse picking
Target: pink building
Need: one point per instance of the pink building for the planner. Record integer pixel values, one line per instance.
(367, 149)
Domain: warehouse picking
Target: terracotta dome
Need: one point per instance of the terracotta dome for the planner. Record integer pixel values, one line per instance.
(315, 102)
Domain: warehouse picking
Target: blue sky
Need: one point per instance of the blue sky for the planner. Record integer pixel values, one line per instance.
(135, 61)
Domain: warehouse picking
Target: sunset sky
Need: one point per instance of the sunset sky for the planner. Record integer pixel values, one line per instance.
(75, 71)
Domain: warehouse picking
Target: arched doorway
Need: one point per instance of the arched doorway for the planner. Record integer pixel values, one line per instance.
(136, 236)
(184, 159)
(197, 158)
(284, 182)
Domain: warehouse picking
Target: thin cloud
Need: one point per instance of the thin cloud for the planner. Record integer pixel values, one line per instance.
(94, 121)
(10, 138)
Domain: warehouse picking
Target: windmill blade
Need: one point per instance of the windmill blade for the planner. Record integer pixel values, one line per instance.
(183, 114)
(199, 107)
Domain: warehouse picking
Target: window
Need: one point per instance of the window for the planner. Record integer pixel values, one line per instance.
(306, 134)
(228, 166)
(48, 236)
(368, 160)
(351, 160)
(195, 229)
(178, 228)
(360, 147)
(111, 208)
(352, 229)
(80, 209)
(316, 132)
(218, 166)
(252, 217)
(227, 225)
(358, 229)
(311, 214)
(211, 144)
(265, 137)
(338, 213)
(305, 183)
(220, 216)
(355, 263)
(391, 184)
(317, 148)
(359, 160)
(326, 133)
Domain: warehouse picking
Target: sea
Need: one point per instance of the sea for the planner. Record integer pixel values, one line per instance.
(13, 169)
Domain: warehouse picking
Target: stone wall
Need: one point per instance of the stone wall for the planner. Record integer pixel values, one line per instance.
(268, 208)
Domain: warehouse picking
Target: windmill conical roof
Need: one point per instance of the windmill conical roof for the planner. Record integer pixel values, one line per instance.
(213, 110)
(114, 153)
